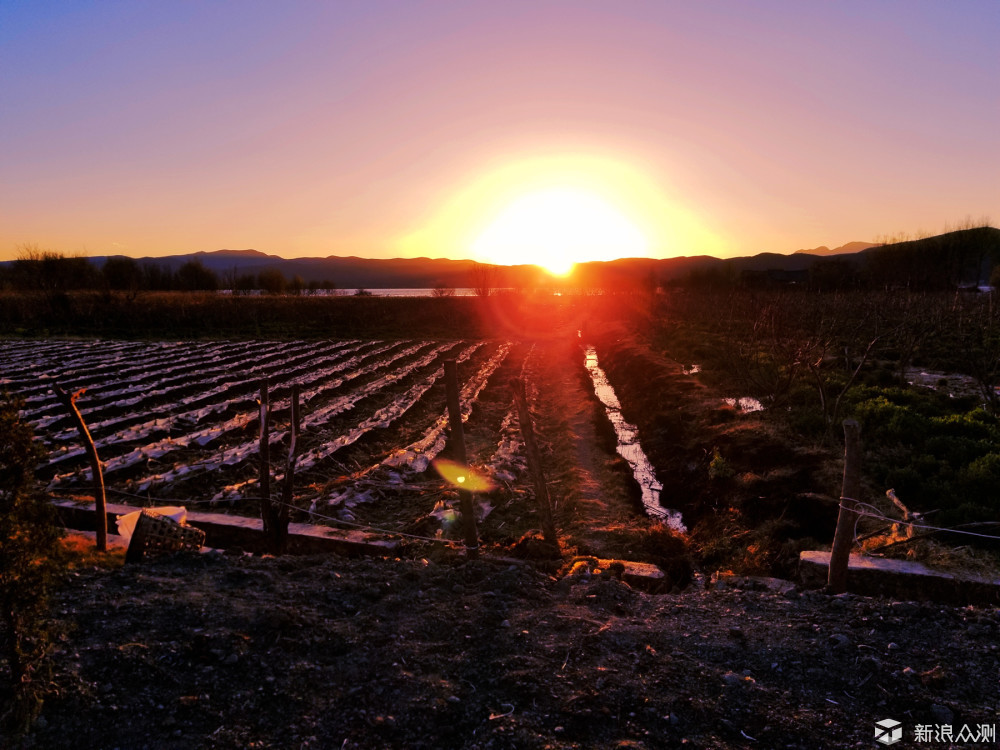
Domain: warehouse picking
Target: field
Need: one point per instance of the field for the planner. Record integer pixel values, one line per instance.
(179, 422)
(511, 650)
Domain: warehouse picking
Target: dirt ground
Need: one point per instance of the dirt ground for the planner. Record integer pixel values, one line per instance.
(430, 650)
(215, 651)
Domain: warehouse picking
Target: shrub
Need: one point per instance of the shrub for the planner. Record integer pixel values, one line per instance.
(980, 480)
(28, 564)
(719, 468)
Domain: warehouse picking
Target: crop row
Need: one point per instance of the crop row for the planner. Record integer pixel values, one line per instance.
(180, 421)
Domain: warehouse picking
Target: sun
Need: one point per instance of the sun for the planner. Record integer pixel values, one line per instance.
(556, 228)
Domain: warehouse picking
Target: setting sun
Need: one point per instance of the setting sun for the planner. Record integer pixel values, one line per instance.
(557, 228)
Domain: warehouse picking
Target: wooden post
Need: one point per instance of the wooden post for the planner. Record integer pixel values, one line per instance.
(843, 539)
(534, 462)
(267, 514)
(100, 500)
(458, 442)
(281, 531)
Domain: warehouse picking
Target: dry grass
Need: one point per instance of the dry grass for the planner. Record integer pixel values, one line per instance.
(81, 552)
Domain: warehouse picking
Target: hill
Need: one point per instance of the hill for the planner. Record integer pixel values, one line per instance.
(960, 258)
(965, 257)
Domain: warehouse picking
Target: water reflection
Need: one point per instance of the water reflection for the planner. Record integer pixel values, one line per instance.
(629, 448)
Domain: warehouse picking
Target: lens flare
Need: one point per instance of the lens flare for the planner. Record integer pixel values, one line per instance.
(462, 477)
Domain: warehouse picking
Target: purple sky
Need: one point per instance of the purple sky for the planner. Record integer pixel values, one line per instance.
(403, 128)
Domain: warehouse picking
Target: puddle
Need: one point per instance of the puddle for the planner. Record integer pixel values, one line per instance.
(951, 383)
(629, 448)
(746, 404)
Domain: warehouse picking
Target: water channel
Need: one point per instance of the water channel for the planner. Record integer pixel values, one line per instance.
(629, 448)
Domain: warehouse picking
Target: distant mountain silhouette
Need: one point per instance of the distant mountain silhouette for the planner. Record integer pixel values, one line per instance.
(850, 247)
(955, 258)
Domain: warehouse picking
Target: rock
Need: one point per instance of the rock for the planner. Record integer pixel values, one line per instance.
(936, 676)
(840, 641)
(869, 664)
(942, 714)
(733, 679)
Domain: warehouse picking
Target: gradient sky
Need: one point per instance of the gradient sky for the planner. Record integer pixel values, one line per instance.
(388, 129)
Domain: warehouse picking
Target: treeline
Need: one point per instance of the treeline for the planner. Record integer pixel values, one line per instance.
(48, 271)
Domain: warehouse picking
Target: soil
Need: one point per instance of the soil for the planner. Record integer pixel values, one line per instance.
(513, 650)
(215, 651)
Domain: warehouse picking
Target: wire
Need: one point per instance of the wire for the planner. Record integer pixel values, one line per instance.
(78, 490)
(877, 514)
(311, 513)
(369, 528)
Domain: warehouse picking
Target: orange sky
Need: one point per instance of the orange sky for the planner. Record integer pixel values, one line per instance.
(388, 129)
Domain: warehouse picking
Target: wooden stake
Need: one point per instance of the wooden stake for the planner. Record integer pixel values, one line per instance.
(534, 462)
(458, 443)
(843, 538)
(267, 514)
(100, 499)
(281, 531)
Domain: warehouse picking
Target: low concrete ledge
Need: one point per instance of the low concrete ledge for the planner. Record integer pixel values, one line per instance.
(901, 579)
(225, 531)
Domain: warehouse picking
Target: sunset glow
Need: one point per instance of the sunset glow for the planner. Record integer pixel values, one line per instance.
(386, 129)
(557, 228)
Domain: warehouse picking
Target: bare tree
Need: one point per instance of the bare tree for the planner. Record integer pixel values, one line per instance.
(978, 328)
(484, 279)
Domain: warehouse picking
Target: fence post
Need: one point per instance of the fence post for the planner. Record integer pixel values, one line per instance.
(281, 531)
(267, 514)
(458, 440)
(534, 462)
(843, 538)
(100, 499)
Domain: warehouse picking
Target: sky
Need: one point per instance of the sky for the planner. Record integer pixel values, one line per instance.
(402, 129)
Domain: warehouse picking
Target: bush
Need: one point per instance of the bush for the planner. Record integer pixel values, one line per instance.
(28, 564)
(980, 480)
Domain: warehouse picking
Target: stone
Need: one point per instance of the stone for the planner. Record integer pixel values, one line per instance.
(942, 714)
(905, 609)
(839, 641)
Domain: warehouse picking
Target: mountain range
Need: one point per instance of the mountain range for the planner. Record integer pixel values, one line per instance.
(420, 273)
(963, 257)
